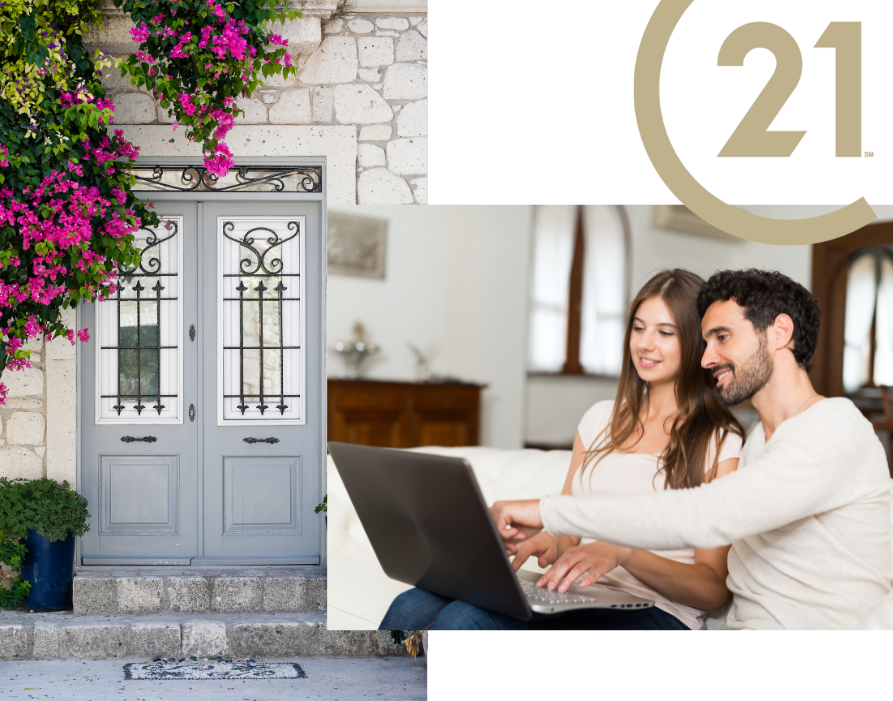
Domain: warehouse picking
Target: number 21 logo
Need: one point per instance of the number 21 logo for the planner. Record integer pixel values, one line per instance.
(752, 137)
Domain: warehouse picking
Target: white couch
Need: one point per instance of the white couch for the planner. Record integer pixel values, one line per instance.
(359, 592)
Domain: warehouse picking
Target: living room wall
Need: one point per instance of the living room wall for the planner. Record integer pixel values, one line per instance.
(456, 279)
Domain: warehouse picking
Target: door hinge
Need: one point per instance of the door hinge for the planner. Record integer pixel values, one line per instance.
(192, 332)
(192, 412)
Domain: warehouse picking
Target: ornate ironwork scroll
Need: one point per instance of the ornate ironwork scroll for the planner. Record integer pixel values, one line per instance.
(190, 178)
(139, 348)
(261, 338)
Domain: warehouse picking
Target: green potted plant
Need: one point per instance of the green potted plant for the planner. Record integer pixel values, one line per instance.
(47, 516)
(324, 508)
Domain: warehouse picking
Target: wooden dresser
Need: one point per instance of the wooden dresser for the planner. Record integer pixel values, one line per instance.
(403, 414)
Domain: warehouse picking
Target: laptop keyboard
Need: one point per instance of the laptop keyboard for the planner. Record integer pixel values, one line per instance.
(541, 594)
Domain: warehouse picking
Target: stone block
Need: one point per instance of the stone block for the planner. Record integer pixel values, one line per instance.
(187, 594)
(134, 108)
(35, 345)
(154, 639)
(412, 47)
(375, 51)
(381, 186)
(333, 27)
(140, 594)
(294, 594)
(323, 103)
(47, 641)
(255, 112)
(398, 23)
(414, 21)
(25, 428)
(406, 81)
(293, 108)
(420, 190)
(413, 119)
(360, 104)
(61, 438)
(61, 348)
(23, 403)
(95, 595)
(360, 26)
(334, 62)
(236, 594)
(387, 33)
(304, 34)
(378, 132)
(203, 639)
(423, 28)
(371, 75)
(268, 97)
(370, 156)
(20, 463)
(408, 156)
(15, 642)
(25, 382)
(265, 639)
(95, 640)
(277, 82)
(163, 115)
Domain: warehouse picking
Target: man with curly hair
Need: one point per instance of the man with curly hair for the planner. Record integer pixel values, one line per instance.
(808, 511)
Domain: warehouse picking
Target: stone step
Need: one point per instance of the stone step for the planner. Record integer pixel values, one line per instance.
(148, 590)
(239, 635)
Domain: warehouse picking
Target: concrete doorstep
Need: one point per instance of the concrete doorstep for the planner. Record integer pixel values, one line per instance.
(64, 635)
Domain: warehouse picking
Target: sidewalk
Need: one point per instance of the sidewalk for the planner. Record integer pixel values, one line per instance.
(335, 679)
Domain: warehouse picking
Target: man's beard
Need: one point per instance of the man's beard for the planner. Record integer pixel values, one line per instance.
(745, 382)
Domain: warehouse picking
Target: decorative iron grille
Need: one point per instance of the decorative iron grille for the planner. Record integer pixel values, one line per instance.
(189, 178)
(138, 328)
(263, 337)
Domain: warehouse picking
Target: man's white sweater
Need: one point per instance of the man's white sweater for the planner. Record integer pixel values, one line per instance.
(807, 514)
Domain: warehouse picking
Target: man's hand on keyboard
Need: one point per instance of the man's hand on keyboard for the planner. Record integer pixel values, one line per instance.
(597, 559)
(542, 546)
(517, 521)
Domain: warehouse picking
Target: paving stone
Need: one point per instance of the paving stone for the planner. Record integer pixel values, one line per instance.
(140, 594)
(411, 47)
(265, 639)
(155, 639)
(360, 104)
(408, 156)
(375, 51)
(381, 186)
(398, 23)
(377, 132)
(406, 81)
(334, 62)
(236, 594)
(370, 156)
(413, 119)
(187, 594)
(47, 641)
(95, 595)
(294, 594)
(360, 26)
(95, 640)
(15, 642)
(370, 75)
(204, 638)
(293, 108)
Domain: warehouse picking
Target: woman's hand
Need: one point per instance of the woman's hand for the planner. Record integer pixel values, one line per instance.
(597, 559)
(542, 546)
(517, 520)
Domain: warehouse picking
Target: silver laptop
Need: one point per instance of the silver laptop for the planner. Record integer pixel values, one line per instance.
(430, 527)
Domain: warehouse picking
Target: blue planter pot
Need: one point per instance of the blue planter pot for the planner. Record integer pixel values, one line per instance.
(50, 569)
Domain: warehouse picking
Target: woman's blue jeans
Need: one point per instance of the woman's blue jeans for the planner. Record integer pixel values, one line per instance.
(418, 609)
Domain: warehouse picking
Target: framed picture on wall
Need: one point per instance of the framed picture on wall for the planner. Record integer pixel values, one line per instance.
(356, 245)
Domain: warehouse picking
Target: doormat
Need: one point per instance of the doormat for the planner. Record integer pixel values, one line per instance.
(193, 669)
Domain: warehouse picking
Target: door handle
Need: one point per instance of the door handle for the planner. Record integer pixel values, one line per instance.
(261, 440)
(131, 439)
(192, 412)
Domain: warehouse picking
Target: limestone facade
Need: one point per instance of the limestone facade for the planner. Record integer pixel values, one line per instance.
(359, 99)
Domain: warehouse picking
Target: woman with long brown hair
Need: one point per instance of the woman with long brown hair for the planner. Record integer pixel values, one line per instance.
(666, 429)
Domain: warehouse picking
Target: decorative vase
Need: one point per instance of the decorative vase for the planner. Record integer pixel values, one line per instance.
(49, 567)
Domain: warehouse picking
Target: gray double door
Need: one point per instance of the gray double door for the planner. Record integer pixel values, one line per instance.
(202, 391)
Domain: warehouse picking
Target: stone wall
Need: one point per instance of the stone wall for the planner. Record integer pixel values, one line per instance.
(360, 97)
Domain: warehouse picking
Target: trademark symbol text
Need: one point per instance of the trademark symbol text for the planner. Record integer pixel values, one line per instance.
(869, 154)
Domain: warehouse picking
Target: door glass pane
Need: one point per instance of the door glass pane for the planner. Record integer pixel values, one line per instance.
(138, 330)
(261, 319)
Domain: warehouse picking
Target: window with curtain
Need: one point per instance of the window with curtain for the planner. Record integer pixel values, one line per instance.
(579, 285)
(868, 329)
